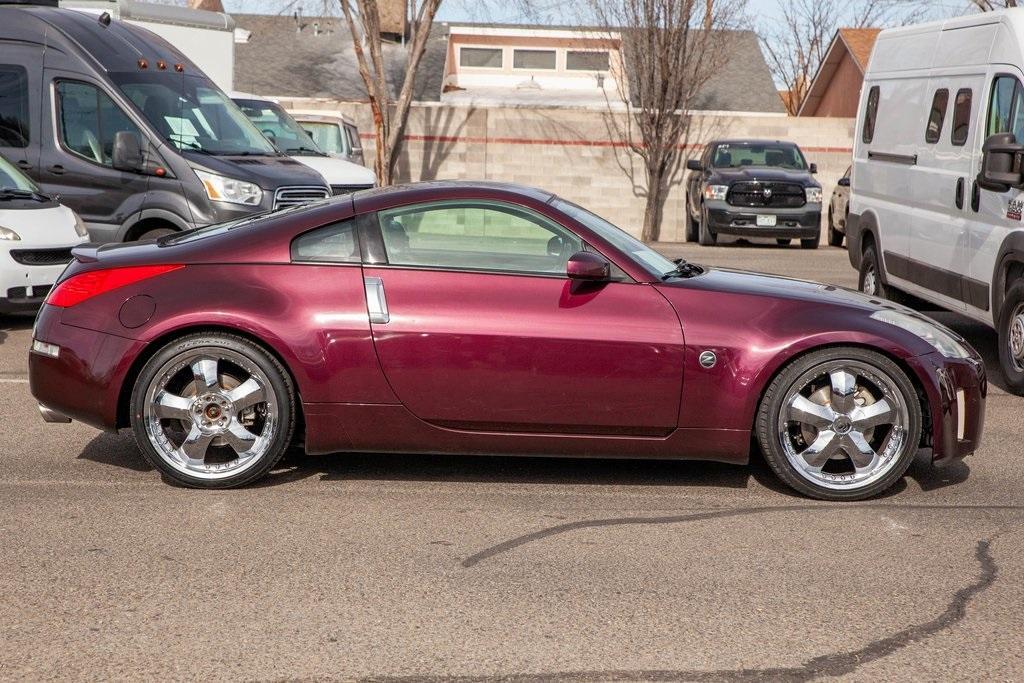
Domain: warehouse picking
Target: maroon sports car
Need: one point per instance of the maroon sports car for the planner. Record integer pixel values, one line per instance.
(492, 319)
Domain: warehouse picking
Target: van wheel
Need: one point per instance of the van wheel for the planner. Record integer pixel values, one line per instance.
(155, 233)
(1011, 338)
(706, 237)
(870, 280)
(835, 238)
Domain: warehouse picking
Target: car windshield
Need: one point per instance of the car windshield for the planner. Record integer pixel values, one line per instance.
(13, 179)
(327, 136)
(279, 127)
(192, 113)
(764, 155)
(650, 260)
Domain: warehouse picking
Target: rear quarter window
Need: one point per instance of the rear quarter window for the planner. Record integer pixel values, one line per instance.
(937, 116)
(962, 117)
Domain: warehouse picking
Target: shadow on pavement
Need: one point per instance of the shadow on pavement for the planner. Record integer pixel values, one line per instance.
(14, 323)
(118, 450)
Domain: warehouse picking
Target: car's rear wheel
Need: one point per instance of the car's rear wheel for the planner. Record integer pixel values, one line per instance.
(835, 238)
(707, 238)
(213, 411)
(1011, 338)
(840, 424)
(783, 241)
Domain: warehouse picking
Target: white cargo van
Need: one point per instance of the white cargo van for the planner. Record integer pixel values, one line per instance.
(937, 189)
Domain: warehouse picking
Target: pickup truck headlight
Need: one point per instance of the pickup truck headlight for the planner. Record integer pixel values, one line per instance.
(813, 195)
(222, 189)
(9, 235)
(716, 192)
(943, 342)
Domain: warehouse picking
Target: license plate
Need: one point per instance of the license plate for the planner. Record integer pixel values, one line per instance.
(766, 221)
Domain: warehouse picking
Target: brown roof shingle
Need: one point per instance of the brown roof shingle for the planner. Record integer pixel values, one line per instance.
(860, 41)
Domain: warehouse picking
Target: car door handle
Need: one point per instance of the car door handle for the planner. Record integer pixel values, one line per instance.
(56, 169)
(376, 302)
(960, 193)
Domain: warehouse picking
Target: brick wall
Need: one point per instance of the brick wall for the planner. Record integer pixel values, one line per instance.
(575, 153)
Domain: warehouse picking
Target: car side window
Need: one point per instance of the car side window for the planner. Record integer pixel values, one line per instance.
(936, 116)
(476, 235)
(88, 120)
(1006, 108)
(334, 243)
(14, 116)
(870, 115)
(961, 116)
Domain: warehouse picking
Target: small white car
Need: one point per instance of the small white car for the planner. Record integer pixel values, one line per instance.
(280, 128)
(36, 237)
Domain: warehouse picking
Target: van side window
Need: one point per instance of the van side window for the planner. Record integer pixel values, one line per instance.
(962, 116)
(88, 120)
(870, 115)
(1006, 107)
(937, 116)
(14, 129)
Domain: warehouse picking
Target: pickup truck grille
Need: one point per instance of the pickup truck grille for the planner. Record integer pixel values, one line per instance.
(291, 196)
(769, 195)
(41, 257)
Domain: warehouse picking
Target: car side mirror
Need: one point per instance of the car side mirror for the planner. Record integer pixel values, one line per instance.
(586, 265)
(813, 169)
(127, 152)
(1001, 158)
(694, 165)
(844, 182)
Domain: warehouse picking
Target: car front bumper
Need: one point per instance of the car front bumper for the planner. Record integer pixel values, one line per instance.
(956, 391)
(23, 288)
(802, 223)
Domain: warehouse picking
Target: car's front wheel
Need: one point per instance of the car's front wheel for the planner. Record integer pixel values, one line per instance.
(840, 424)
(213, 411)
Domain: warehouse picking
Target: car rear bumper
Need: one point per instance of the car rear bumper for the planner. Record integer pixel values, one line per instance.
(956, 391)
(724, 219)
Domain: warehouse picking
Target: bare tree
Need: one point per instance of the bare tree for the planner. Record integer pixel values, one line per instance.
(389, 114)
(993, 5)
(670, 49)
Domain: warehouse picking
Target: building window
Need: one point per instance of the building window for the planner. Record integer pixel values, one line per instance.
(580, 60)
(962, 116)
(533, 59)
(870, 115)
(13, 106)
(936, 116)
(480, 57)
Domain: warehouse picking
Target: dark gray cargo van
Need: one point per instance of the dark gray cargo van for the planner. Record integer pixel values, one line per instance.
(131, 134)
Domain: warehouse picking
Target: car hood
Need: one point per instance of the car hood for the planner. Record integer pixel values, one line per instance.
(338, 171)
(750, 174)
(49, 226)
(269, 172)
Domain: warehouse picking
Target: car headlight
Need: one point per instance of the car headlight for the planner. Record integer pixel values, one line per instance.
(943, 341)
(813, 195)
(8, 234)
(716, 192)
(222, 189)
(80, 226)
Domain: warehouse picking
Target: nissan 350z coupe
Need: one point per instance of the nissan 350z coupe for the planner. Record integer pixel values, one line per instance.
(488, 319)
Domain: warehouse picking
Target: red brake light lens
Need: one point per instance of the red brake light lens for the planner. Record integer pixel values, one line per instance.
(83, 286)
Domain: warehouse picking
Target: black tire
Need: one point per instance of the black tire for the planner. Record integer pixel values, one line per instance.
(707, 238)
(811, 243)
(835, 238)
(869, 280)
(692, 228)
(775, 395)
(783, 241)
(155, 233)
(279, 380)
(1013, 307)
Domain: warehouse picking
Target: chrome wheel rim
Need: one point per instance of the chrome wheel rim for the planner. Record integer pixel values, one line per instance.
(870, 285)
(211, 413)
(1016, 337)
(843, 425)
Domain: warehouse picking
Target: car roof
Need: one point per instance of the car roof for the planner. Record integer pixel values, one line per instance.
(434, 190)
(321, 118)
(751, 141)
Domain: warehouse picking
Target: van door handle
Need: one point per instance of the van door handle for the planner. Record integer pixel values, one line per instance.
(23, 164)
(960, 193)
(56, 169)
(376, 302)
(976, 197)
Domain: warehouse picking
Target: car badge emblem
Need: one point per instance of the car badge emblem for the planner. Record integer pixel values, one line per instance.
(767, 192)
(707, 359)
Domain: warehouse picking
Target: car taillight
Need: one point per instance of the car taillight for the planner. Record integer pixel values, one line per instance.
(83, 286)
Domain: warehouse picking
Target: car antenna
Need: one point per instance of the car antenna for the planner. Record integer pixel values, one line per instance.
(104, 19)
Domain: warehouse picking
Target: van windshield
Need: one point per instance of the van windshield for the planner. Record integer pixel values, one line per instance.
(279, 127)
(192, 113)
(765, 155)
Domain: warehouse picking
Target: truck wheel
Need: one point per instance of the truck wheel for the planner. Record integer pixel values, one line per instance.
(811, 243)
(692, 227)
(782, 241)
(706, 237)
(835, 238)
(1011, 338)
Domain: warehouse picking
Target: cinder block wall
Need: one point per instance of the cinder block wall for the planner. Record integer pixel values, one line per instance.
(579, 154)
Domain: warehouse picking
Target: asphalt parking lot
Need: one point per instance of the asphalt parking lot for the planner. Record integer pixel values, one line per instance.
(491, 569)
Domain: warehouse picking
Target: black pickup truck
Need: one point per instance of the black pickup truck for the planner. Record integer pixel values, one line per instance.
(753, 188)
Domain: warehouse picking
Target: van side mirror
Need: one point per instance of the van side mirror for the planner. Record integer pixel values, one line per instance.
(586, 265)
(813, 169)
(1001, 158)
(843, 182)
(127, 153)
(694, 165)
